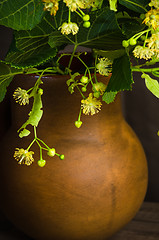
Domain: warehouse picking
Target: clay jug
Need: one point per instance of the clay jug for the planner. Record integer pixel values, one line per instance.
(94, 191)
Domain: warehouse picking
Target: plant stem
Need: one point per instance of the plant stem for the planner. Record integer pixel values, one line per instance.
(81, 11)
(137, 35)
(79, 116)
(144, 69)
(145, 39)
(31, 144)
(80, 92)
(43, 143)
(35, 134)
(90, 77)
(69, 16)
(79, 14)
(72, 55)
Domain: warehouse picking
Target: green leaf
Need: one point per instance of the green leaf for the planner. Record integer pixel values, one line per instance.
(6, 75)
(98, 4)
(131, 27)
(104, 33)
(113, 5)
(35, 114)
(121, 78)
(72, 83)
(68, 82)
(135, 5)
(56, 39)
(110, 54)
(21, 14)
(151, 84)
(32, 51)
(109, 97)
(32, 48)
(24, 133)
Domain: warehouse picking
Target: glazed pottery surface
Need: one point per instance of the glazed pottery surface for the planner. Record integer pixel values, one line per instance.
(94, 191)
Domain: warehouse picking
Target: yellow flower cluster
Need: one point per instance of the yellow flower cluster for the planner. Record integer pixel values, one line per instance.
(99, 87)
(73, 5)
(51, 5)
(151, 45)
(143, 52)
(152, 18)
(21, 96)
(104, 66)
(154, 3)
(91, 105)
(153, 41)
(68, 28)
(23, 156)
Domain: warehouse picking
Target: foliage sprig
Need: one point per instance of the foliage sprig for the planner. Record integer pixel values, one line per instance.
(42, 30)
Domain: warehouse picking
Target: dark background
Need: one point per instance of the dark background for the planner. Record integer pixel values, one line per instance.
(141, 110)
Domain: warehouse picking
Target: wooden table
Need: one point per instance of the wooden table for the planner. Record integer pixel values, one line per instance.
(145, 226)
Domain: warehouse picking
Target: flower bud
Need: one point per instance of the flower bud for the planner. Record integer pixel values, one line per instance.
(51, 152)
(86, 18)
(62, 157)
(78, 124)
(86, 24)
(41, 163)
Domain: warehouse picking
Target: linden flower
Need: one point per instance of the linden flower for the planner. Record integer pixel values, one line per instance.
(73, 5)
(68, 28)
(91, 105)
(88, 3)
(156, 55)
(104, 66)
(99, 87)
(23, 156)
(152, 18)
(21, 96)
(154, 3)
(153, 41)
(51, 5)
(143, 52)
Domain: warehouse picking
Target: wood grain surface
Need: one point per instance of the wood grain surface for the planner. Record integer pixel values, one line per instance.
(145, 226)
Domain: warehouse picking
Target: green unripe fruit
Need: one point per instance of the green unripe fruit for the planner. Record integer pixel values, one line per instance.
(84, 89)
(84, 79)
(51, 152)
(132, 41)
(78, 124)
(62, 157)
(40, 91)
(41, 163)
(96, 94)
(86, 24)
(86, 18)
(125, 43)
